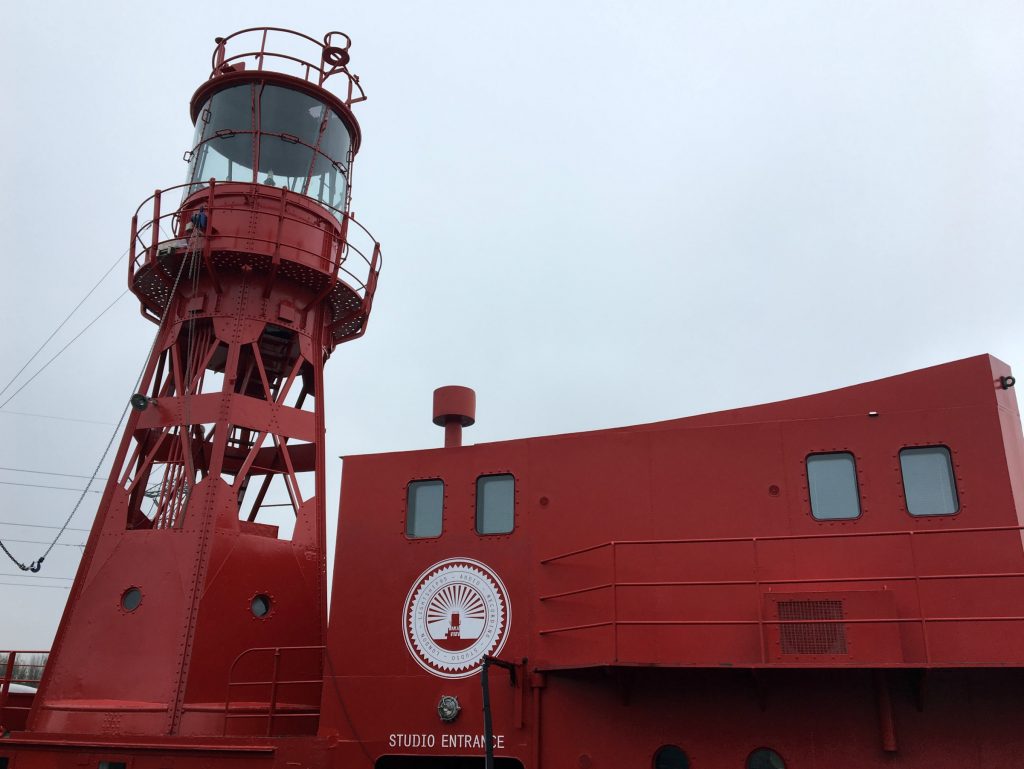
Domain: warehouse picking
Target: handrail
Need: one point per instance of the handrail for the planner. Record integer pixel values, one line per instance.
(333, 259)
(273, 709)
(778, 538)
(330, 59)
(10, 664)
(757, 580)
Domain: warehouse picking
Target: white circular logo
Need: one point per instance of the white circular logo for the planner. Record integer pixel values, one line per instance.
(456, 612)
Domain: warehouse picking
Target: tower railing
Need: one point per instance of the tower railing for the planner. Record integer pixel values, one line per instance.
(617, 613)
(349, 253)
(316, 63)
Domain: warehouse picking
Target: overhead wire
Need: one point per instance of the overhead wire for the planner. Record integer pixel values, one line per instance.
(63, 322)
(40, 525)
(45, 472)
(192, 254)
(53, 416)
(59, 352)
(28, 584)
(48, 486)
(42, 542)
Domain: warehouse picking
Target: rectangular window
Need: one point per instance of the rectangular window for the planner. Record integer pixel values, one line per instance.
(495, 504)
(424, 508)
(832, 482)
(928, 481)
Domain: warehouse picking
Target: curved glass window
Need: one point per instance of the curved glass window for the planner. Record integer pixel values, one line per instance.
(671, 757)
(274, 136)
(765, 758)
(928, 481)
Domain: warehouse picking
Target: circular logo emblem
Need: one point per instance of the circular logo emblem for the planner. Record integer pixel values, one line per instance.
(456, 612)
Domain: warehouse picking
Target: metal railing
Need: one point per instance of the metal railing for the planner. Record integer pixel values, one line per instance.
(315, 63)
(18, 668)
(350, 253)
(275, 706)
(754, 557)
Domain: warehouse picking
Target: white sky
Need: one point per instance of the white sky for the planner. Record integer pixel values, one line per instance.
(594, 213)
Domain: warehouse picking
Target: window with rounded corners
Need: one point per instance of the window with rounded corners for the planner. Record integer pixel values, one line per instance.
(424, 508)
(131, 599)
(671, 757)
(495, 504)
(832, 486)
(765, 758)
(929, 484)
(260, 606)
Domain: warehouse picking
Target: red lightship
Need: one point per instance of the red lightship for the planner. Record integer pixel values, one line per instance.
(831, 581)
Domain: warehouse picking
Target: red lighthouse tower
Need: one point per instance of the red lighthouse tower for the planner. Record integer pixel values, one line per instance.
(207, 557)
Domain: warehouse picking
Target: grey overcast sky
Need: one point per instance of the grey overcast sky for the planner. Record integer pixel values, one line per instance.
(594, 213)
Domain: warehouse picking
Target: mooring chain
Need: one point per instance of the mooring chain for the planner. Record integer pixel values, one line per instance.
(191, 253)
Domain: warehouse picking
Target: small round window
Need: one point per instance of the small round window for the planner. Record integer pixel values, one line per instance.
(131, 598)
(260, 605)
(671, 757)
(765, 758)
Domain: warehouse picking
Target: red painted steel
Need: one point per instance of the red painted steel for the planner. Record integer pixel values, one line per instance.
(657, 590)
(454, 408)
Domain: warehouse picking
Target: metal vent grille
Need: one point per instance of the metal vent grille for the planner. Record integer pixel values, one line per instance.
(817, 636)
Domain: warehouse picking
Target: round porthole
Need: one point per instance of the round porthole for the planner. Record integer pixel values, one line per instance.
(765, 758)
(671, 757)
(131, 598)
(260, 606)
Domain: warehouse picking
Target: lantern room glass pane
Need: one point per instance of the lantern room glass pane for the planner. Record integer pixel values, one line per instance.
(226, 159)
(424, 508)
(495, 504)
(227, 110)
(832, 482)
(928, 481)
(302, 143)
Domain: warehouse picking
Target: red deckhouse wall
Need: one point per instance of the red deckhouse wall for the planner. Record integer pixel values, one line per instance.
(691, 543)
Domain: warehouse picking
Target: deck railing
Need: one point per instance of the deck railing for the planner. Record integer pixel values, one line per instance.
(764, 586)
(18, 668)
(278, 684)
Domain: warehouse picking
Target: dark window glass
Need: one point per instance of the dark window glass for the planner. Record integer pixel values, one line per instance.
(424, 508)
(284, 111)
(928, 481)
(832, 482)
(303, 144)
(131, 598)
(260, 606)
(765, 758)
(495, 504)
(224, 158)
(671, 757)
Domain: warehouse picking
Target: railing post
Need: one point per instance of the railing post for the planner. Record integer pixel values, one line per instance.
(920, 606)
(155, 224)
(760, 601)
(131, 247)
(5, 682)
(273, 692)
(208, 236)
(615, 603)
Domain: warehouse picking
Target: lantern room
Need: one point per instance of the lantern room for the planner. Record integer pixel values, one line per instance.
(277, 135)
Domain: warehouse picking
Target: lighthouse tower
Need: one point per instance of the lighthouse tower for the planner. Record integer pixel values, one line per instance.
(199, 607)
